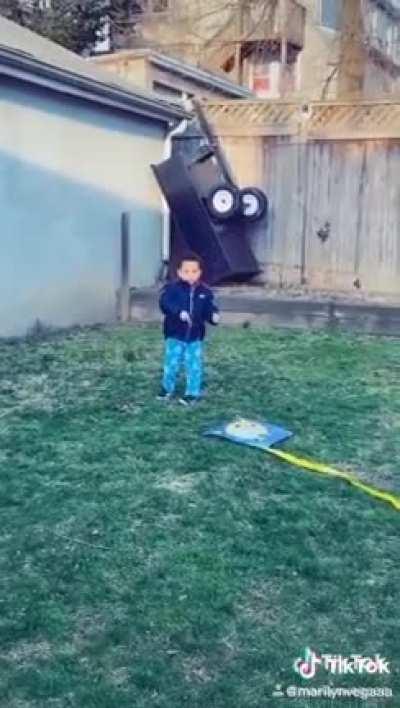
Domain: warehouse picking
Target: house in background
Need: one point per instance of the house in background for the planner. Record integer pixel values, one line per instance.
(243, 42)
(76, 147)
(351, 49)
(374, 62)
(305, 49)
(168, 76)
(273, 38)
(317, 66)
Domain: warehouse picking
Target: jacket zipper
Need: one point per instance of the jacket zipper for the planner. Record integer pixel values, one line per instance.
(191, 297)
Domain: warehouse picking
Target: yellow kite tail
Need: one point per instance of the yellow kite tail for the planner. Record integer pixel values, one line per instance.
(313, 466)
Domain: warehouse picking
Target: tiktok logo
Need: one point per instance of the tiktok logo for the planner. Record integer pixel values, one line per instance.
(338, 664)
(307, 666)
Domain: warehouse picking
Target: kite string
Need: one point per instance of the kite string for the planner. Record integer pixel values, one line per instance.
(313, 466)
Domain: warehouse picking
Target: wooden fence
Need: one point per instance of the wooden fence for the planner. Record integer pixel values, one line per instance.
(332, 175)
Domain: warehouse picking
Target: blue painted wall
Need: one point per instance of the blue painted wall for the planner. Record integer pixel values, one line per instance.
(68, 170)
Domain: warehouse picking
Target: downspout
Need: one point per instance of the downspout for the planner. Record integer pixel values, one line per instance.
(166, 224)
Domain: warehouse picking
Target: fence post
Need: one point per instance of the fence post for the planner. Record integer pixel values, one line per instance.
(124, 290)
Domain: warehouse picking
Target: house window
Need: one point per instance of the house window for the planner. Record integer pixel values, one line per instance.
(331, 14)
(372, 18)
(260, 73)
(261, 81)
(265, 76)
(396, 44)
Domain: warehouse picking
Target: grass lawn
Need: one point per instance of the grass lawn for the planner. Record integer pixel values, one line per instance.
(142, 565)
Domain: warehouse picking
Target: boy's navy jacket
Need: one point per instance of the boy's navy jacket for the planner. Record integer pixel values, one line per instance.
(197, 300)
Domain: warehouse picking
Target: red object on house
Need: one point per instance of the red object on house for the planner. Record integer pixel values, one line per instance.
(261, 85)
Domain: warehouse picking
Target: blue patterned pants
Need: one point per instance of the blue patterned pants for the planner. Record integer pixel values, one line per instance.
(191, 353)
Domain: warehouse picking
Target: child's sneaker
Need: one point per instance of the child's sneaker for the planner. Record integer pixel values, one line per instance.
(189, 400)
(164, 395)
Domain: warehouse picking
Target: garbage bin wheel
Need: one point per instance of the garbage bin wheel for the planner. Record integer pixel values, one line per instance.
(253, 203)
(223, 202)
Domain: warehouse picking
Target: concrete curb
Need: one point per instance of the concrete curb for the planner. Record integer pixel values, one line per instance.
(299, 313)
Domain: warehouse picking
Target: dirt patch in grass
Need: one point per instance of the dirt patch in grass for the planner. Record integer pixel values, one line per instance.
(25, 653)
(195, 670)
(178, 485)
(262, 604)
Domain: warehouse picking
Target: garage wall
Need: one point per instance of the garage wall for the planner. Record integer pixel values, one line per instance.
(67, 172)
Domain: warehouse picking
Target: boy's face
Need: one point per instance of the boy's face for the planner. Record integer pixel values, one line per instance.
(190, 272)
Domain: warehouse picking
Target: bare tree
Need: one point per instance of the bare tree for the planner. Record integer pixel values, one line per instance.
(209, 31)
(75, 24)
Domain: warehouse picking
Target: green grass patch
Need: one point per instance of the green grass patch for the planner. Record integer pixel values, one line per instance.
(144, 565)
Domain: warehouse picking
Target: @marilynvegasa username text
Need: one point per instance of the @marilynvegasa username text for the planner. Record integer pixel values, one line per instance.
(331, 693)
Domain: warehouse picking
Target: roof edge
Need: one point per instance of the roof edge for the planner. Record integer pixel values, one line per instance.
(31, 70)
(176, 66)
(200, 75)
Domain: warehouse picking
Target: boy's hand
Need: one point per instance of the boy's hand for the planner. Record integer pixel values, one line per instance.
(215, 318)
(185, 317)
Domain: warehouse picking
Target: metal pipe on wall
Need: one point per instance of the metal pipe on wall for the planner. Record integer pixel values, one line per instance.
(166, 224)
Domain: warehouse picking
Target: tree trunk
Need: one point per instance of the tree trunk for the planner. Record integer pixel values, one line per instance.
(352, 59)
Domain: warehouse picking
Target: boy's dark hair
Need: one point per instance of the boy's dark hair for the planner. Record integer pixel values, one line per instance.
(190, 257)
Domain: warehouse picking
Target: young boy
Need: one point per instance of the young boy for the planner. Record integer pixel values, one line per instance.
(187, 305)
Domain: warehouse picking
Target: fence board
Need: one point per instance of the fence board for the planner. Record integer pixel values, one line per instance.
(344, 185)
